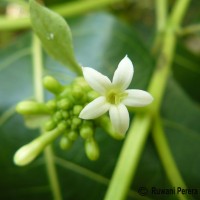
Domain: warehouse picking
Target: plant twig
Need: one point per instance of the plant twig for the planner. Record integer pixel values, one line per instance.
(131, 151)
(66, 10)
(166, 157)
(39, 95)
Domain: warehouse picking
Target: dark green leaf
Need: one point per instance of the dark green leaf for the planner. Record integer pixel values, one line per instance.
(187, 71)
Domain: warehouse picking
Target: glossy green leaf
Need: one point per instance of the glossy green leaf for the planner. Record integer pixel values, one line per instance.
(187, 71)
(54, 34)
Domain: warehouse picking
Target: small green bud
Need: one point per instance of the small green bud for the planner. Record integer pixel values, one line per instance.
(62, 126)
(65, 114)
(65, 143)
(50, 125)
(28, 153)
(80, 81)
(76, 121)
(91, 95)
(77, 109)
(32, 108)
(58, 116)
(72, 135)
(91, 149)
(88, 123)
(105, 123)
(66, 91)
(64, 104)
(86, 132)
(52, 105)
(52, 85)
(77, 92)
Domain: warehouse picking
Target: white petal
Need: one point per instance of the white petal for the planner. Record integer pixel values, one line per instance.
(119, 117)
(94, 109)
(123, 74)
(137, 98)
(96, 80)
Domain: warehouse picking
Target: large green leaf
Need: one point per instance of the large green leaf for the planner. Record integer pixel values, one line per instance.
(187, 71)
(77, 175)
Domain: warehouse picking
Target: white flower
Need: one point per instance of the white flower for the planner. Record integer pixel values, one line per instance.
(114, 95)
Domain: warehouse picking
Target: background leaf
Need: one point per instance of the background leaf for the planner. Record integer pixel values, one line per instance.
(187, 71)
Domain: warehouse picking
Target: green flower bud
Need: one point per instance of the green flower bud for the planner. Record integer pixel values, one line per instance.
(105, 123)
(77, 92)
(72, 135)
(86, 132)
(88, 123)
(91, 149)
(52, 105)
(52, 85)
(64, 104)
(91, 95)
(58, 116)
(65, 114)
(80, 81)
(62, 126)
(32, 108)
(66, 92)
(50, 125)
(28, 153)
(65, 143)
(77, 109)
(76, 121)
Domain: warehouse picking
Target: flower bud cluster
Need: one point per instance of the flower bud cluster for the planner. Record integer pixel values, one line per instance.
(65, 109)
(63, 120)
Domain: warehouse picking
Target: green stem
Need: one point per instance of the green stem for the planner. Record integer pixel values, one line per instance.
(161, 19)
(178, 13)
(164, 61)
(39, 94)
(133, 146)
(66, 10)
(166, 157)
(80, 7)
(129, 157)
(160, 76)
(161, 14)
(38, 69)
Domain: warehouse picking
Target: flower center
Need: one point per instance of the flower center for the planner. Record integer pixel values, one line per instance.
(114, 97)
